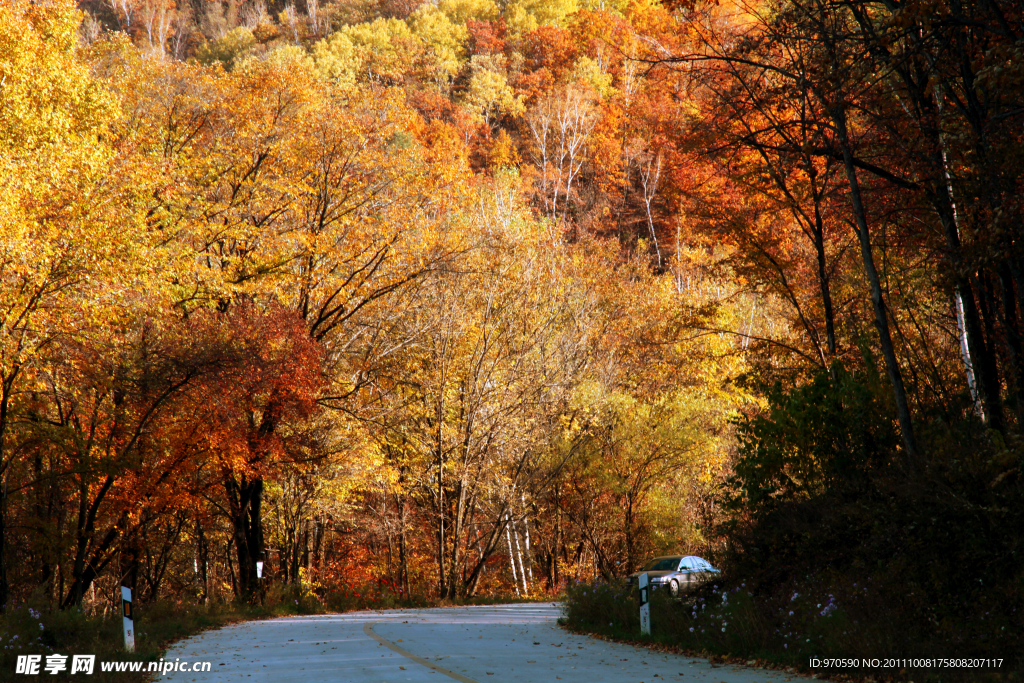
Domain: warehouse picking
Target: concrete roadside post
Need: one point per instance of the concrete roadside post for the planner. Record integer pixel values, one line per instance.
(645, 607)
(129, 619)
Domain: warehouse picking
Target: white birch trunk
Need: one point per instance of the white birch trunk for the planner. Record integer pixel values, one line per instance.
(965, 348)
(965, 355)
(650, 174)
(519, 557)
(511, 557)
(526, 535)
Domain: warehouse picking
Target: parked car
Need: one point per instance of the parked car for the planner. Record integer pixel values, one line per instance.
(677, 574)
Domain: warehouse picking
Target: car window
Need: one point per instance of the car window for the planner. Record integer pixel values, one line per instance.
(695, 564)
(662, 564)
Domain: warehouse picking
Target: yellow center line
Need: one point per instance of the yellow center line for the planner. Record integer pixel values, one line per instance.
(368, 630)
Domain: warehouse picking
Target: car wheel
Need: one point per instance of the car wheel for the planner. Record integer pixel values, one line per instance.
(673, 588)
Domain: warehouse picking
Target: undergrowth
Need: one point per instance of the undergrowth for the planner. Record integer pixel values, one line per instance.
(789, 628)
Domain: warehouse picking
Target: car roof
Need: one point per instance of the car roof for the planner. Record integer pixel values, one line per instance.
(694, 561)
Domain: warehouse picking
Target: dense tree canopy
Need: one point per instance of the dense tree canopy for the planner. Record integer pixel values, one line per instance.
(471, 297)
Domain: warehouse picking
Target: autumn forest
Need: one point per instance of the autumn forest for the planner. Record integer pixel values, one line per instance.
(476, 298)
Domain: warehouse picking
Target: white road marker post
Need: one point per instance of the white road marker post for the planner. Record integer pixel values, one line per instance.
(129, 619)
(645, 607)
(259, 570)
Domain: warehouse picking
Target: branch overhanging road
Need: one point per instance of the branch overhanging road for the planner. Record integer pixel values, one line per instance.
(488, 644)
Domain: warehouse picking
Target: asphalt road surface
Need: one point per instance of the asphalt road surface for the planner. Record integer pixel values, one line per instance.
(490, 644)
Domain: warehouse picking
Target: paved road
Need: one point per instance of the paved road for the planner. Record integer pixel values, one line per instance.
(490, 644)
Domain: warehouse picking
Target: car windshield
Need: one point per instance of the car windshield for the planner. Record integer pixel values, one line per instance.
(662, 564)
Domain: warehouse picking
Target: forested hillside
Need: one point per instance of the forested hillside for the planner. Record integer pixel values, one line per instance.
(472, 297)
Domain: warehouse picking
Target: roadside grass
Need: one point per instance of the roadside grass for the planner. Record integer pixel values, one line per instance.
(788, 629)
(33, 628)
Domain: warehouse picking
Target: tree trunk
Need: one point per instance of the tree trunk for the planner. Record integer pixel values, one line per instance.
(403, 548)
(246, 500)
(456, 536)
(442, 588)
(519, 557)
(5, 401)
(202, 561)
(511, 555)
(823, 283)
(556, 550)
(979, 362)
(838, 115)
(1010, 324)
(526, 539)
